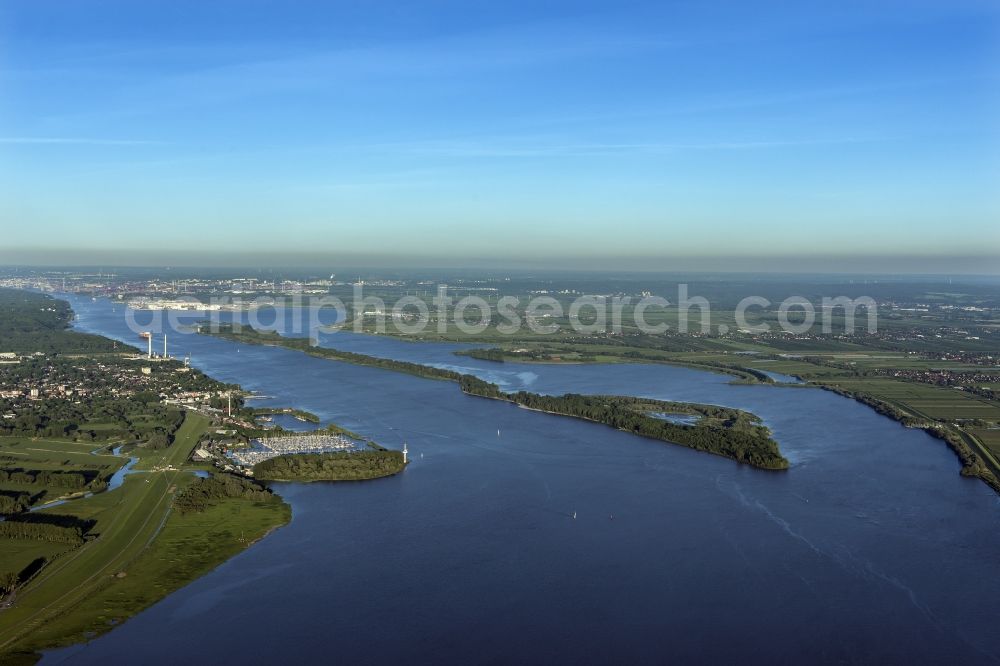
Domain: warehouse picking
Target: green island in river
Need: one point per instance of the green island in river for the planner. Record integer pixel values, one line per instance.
(332, 466)
(726, 432)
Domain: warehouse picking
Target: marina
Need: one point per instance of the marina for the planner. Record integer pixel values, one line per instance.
(266, 448)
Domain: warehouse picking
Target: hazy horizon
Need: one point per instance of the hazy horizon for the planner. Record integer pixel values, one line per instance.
(744, 136)
(983, 265)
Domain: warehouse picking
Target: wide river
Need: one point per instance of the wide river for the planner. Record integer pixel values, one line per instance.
(870, 548)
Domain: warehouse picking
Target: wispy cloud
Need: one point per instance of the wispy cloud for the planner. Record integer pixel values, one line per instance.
(220, 77)
(82, 141)
(537, 147)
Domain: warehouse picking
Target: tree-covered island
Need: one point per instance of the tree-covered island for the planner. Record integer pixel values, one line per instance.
(726, 432)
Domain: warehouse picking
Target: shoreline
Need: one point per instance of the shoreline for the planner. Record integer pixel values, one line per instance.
(118, 571)
(722, 445)
(976, 461)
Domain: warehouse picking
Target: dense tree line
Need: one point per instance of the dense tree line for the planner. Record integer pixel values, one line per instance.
(51, 478)
(303, 344)
(488, 354)
(17, 501)
(300, 414)
(14, 502)
(718, 412)
(537, 354)
(545, 353)
(59, 519)
(13, 529)
(335, 466)
(735, 437)
(8, 581)
(739, 370)
(880, 406)
(204, 493)
(972, 464)
(31, 322)
(475, 386)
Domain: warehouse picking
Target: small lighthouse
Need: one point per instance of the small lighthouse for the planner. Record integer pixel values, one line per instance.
(404, 453)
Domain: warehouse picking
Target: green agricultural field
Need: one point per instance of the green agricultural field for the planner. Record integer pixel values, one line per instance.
(137, 551)
(188, 546)
(126, 520)
(990, 438)
(17, 554)
(957, 409)
(55, 453)
(53, 457)
(796, 368)
(932, 402)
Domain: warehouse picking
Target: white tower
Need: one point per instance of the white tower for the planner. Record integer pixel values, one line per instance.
(404, 453)
(165, 346)
(149, 341)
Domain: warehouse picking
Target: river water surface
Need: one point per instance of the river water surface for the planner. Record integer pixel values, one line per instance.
(870, 548)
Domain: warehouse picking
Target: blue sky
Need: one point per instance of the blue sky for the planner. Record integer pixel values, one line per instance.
(409, 132)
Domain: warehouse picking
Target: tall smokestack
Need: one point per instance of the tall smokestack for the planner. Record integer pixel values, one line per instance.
(165, 346)
(149, 341)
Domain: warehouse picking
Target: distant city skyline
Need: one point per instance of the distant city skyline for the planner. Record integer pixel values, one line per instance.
(847, 137)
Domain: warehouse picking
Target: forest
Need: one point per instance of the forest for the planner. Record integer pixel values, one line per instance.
(13, 529)
(335, 466)
(203, 493)
(32, 322)
(722, 431)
